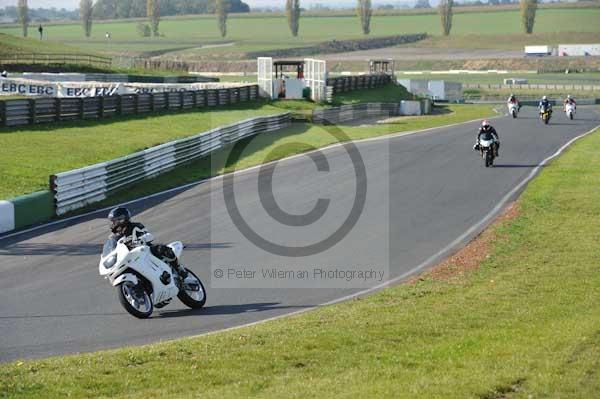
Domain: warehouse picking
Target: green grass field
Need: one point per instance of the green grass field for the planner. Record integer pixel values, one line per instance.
(11, 43)
(271, 32)
(524, 324)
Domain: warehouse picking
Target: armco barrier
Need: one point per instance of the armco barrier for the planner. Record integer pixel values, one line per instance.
(26, 210)
(345, 113)
(45, 110)
(78, 188)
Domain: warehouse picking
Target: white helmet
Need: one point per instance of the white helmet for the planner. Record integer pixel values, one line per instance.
(569, 96)
(544, 98)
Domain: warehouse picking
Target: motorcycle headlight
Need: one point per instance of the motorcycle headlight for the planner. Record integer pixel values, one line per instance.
(110, 262)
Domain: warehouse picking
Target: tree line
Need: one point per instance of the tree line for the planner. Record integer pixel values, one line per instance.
(153, 9)
(118, 9)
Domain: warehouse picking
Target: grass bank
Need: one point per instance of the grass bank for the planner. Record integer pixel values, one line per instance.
(523, 324)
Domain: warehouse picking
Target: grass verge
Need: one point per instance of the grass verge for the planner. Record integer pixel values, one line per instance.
(524, 323)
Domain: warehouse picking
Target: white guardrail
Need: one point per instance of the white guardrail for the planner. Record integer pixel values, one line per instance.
(350, 112)
(80, 187)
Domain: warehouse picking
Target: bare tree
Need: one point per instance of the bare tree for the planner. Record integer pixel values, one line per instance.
(23, 13)
(153, 13)
(364, 11)
(445, 9)
(222, 7)
(528, 8)
(85, 11)
(292, 8)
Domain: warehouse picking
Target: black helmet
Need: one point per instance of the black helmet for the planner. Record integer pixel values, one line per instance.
(118, 217)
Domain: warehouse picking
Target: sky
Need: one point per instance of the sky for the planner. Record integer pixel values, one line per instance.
(72, 4)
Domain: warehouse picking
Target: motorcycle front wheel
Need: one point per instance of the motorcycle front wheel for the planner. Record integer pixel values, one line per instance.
(135, 299)
(192, 292)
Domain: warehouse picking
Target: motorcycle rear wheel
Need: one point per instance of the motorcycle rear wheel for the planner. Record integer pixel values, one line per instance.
(194, 299)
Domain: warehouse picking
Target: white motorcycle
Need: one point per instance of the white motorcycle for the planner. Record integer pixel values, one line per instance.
(145, 282)
(570, 111)
(513, 109)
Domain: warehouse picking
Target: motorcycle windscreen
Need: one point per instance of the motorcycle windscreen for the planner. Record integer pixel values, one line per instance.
(109, 246)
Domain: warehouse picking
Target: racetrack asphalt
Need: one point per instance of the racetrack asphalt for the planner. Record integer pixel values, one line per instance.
(423, 192)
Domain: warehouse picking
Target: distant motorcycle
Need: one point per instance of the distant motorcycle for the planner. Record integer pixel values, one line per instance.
(487, 151)
(570, 111)
(145, 282)
(513, 109)
(546, 115)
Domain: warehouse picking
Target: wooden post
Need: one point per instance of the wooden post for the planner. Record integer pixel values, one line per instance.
(32, 118)
(181, 99)
(136, 103)
(195, 97)
(205, 98)
(152, 102)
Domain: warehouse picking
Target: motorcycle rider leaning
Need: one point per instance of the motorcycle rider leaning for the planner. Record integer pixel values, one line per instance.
(570, 100)
(122, 226)
(512, 99)
(487, 132)
(545, 105)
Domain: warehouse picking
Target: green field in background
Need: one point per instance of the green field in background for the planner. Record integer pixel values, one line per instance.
(253, 34)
